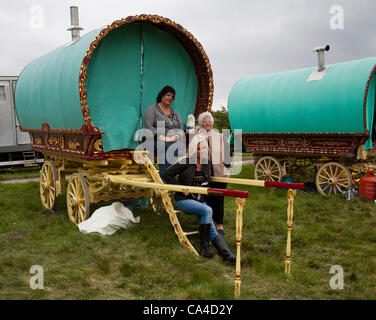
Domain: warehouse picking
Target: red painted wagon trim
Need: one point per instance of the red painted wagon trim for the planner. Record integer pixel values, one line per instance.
(365, 102)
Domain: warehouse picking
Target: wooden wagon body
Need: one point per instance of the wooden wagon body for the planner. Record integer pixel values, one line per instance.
(320, 128)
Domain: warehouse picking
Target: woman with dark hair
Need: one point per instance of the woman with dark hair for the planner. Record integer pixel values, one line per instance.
(168, 134)
(194, 170)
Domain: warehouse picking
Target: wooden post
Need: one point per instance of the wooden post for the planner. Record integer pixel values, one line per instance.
(239, 225)
(290, 214)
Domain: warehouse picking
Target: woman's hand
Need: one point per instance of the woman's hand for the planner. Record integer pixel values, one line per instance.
(172, 139)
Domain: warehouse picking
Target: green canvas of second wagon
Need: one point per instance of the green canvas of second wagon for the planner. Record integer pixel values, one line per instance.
(314, 128)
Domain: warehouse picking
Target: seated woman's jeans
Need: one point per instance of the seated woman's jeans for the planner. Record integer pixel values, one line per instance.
(201, 210)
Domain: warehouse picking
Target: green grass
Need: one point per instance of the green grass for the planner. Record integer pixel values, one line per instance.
(32, 171)
(148, 262)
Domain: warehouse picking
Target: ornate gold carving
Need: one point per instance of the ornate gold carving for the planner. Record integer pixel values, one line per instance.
(62, 142)
(38, 140)
(293, 142)
(53, 141)
(98, 145)
(73, 144)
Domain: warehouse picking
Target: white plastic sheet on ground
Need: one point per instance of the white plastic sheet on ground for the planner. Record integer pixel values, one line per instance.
(107, 220)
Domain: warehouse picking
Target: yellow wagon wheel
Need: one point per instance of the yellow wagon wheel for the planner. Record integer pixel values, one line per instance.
(47, 185)
(268, 169)
(78, 201)
(333, 178)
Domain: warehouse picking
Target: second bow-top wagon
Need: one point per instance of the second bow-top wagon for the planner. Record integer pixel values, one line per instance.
(315, 123)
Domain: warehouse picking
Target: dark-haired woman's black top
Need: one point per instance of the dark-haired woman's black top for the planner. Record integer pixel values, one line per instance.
(189, 176)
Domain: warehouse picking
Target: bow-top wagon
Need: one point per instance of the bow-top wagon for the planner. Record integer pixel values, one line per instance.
(83, 103)
(315, 124)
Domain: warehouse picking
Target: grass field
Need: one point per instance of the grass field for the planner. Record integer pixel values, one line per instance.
(148, 262)
(31, 171)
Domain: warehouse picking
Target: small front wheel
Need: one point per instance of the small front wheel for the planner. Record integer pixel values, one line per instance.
(333, 178)
(268, 169)
(47, 185)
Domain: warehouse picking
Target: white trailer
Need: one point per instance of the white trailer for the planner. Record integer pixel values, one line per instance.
(15, 146)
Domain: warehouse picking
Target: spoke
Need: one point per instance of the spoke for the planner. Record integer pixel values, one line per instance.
(82, 213)
(342, 185)
(269, 163)
(327, 173)
(327, 186)
(51, 196)
(273, 175)
(263, 168)
(335, 172)
(82, 205)
(272, 166)
(331, 171)
(325, 178)
(44, 179)
(339, 189)
(73, 187)
(261, 172)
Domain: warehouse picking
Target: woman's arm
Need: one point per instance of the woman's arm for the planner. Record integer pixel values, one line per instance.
(172, 171)
(149, 119)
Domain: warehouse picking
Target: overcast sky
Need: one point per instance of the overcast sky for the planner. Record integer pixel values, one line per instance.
(240, 37)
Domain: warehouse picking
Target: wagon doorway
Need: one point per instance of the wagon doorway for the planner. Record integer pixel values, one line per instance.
(126, 72)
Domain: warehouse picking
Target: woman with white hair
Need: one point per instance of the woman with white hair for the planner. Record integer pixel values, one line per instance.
(220, 161)
(194, 170)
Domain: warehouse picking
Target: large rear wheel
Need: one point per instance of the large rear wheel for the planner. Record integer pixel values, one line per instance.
(78, 200)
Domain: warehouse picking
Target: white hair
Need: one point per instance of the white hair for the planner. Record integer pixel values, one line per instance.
(202, 116)
(197, 139)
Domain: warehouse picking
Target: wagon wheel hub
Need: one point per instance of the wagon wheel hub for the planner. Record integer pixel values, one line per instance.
(74, 202)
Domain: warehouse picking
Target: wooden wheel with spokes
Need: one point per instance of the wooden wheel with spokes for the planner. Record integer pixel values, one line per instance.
(47, 185)
(78, 201)
(333, 178)
(268, 169)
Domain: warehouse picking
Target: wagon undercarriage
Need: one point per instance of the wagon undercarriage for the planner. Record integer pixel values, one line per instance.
(331, 174)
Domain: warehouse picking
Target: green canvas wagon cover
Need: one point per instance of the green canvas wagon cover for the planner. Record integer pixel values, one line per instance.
(341, 103)
(103, 82)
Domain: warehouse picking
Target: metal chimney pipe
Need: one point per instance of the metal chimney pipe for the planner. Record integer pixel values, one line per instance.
(321, 56)
(75, 27)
